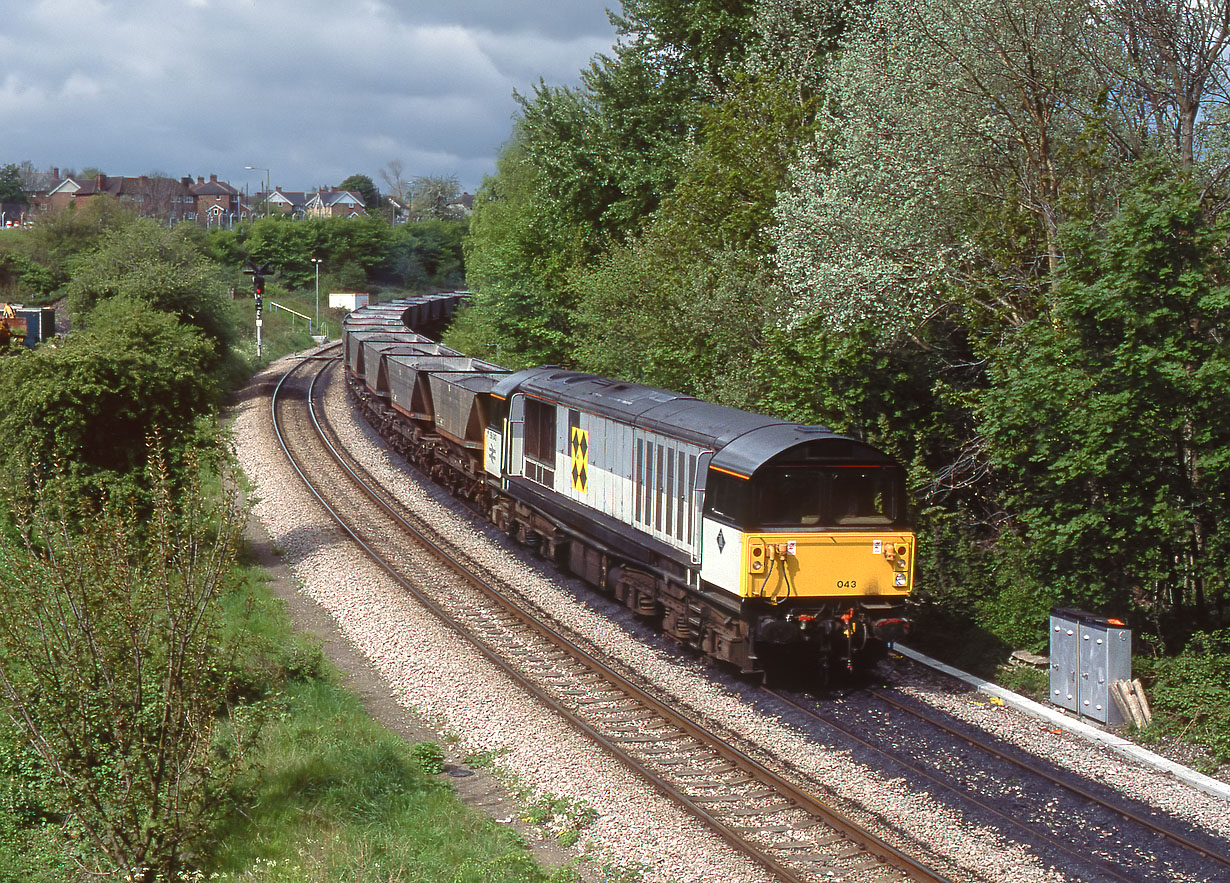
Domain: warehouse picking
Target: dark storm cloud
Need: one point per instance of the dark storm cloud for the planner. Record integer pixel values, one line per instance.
(313, 90)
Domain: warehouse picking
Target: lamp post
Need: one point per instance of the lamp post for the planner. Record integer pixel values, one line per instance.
(317, 262)
(266, 171)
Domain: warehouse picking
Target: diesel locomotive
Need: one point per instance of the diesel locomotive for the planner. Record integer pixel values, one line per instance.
(765, 544)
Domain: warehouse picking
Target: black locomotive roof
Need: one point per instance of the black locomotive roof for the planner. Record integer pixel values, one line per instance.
(741, 441)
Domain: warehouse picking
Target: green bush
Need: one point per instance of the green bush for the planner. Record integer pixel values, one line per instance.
(1190, 694)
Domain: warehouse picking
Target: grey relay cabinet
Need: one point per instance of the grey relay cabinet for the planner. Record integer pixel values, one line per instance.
(1088, 654)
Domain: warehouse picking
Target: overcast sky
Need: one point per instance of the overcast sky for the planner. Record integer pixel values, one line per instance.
(314, 90)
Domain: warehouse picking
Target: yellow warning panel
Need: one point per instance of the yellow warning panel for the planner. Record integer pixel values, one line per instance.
(578, 450)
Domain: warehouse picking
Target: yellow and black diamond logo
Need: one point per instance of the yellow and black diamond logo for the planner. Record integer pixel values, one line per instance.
(578, 449)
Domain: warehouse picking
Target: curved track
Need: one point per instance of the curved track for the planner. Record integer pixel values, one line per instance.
(1079, 825)
(757, 811)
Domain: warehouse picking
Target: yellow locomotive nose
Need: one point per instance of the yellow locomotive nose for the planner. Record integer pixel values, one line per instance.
(827, 564)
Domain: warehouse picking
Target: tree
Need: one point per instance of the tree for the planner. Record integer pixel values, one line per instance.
(32, 179)
(700, 42)
(1169, 62)
(91, 402)
(518, 260)
(160, 266)
(289, 246)
(430, 197)
(963, 134)
(427, 253)
(1107, 424)
(686, 303)
(395, 183)
(12, 187)
(57, 240)
(114, 669)
(363, 185)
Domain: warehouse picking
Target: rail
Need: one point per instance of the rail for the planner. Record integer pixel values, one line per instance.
(670, 728)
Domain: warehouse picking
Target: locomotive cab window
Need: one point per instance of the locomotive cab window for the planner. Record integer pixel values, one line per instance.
(727, 498)
(866, 496)
(850, 496)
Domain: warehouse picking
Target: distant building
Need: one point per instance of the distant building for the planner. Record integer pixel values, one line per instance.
(334, 203)
(163, 198)
(348, 300)
(210, 203)
(462, 206)
(217, 203)
(287, 202)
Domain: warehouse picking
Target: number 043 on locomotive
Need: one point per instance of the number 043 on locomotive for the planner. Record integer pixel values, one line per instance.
(759, 542)
(763, 543)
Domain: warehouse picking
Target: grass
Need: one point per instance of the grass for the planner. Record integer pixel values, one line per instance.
(1033, 683)
(331, 795)
(282, 333)
(335, 796)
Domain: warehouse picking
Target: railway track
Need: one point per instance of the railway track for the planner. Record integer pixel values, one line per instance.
(779, 824)
(1088, 829)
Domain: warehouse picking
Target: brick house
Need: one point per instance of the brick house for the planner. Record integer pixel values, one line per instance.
(207, 202)
(288, 202)
(334, 203)
(217, 203)
(151, 197)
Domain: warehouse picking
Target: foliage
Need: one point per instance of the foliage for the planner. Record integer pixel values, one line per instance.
(113, 672)
(686, 304)
(12, 187)
(851, 383)
(959, 137)
(30, 847)
(1188, 694)
(157, 265)
(699, 43)
(289, 245)
(1120, 498)
(23, 280)
(584, 172)
(428, 253)
(796, 41)
(355, 253)
(92, 400)
(429, 757)
(518, 259)
(58, 239)
(364, 186)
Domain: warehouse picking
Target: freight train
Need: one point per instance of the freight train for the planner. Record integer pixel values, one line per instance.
(765, 544)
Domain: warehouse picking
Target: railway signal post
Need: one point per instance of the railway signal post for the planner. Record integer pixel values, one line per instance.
(257, 272)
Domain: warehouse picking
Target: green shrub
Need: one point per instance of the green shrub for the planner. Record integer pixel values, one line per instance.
(1190, 694)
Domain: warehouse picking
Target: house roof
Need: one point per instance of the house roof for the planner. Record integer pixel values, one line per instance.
(294, 198)
(330, 198)
(212, 187)
(68, 185)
